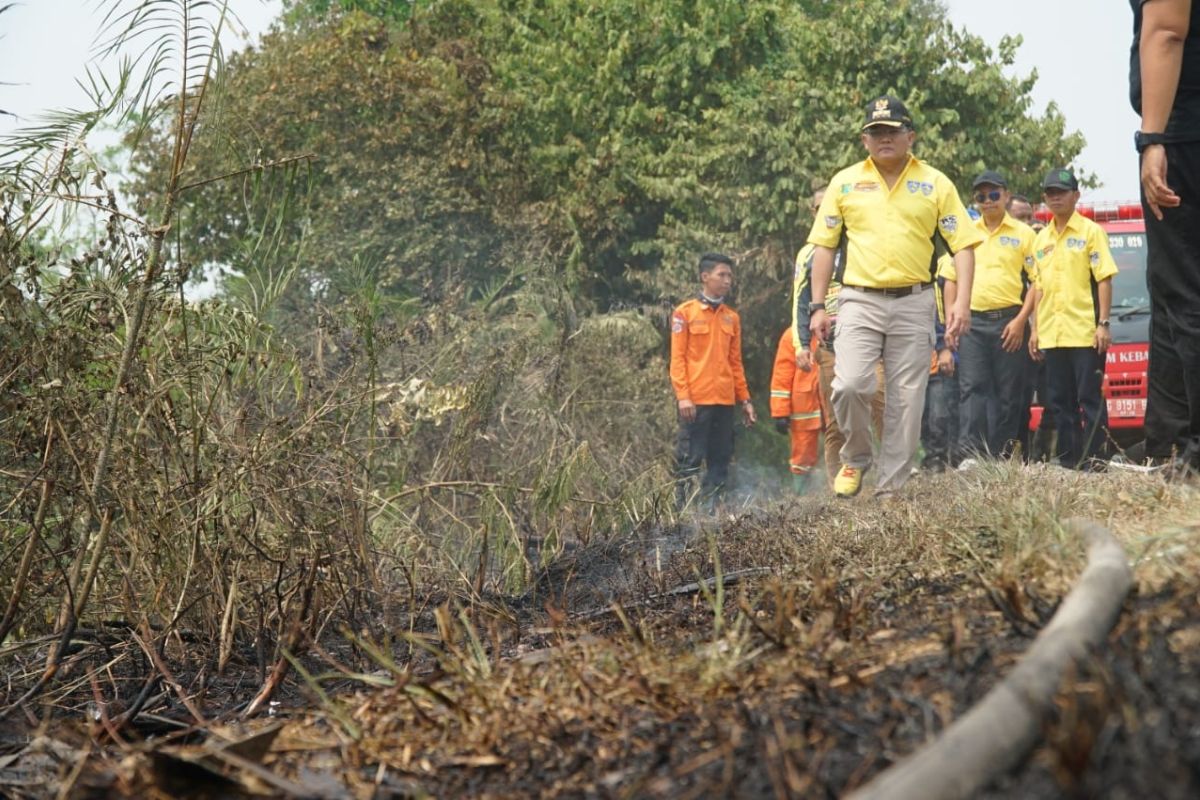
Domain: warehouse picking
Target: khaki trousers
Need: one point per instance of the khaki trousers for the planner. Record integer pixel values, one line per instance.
(833, 434)
(898, 330)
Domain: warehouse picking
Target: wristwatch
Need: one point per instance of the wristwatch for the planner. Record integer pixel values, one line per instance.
(1104, 323)
(815, 307)
(1142, 140)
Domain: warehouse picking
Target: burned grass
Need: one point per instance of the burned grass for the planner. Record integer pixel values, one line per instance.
(793, 651)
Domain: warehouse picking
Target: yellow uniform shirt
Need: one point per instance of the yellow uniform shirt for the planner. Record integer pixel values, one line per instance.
(1005, 253)
(890, 234)
(1067, 264)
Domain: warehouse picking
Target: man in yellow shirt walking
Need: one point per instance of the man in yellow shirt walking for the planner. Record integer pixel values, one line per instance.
(1074, 270)
(890, 208)
(822, 357)
(991, 356)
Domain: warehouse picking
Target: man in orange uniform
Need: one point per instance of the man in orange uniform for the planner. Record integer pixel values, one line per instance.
(796, 407)
(708, 379)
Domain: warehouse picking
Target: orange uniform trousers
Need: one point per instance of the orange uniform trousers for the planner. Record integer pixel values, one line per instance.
(796, 396)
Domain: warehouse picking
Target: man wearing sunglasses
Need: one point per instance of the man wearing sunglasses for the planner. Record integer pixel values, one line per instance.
(991, 360)
(889, 209)
(1073, 270)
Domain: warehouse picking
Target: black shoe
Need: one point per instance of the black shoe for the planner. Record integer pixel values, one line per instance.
(935, 465)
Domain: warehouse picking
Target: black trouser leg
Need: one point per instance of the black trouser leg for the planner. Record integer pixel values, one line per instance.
(720, 449)
(974, 387)
(1168, 423)
(1074, 376)
(1089, 378)
(1028, 384)
(933, 434)
(1008, 371)
(708, 439)
(691, 445)
(1173, 278)
(1063, 401)
(990, 387)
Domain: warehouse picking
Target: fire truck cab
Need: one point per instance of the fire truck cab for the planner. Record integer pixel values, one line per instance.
(1125, 371)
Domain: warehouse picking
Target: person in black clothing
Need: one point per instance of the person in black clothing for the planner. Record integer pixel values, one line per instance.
(1164, 88)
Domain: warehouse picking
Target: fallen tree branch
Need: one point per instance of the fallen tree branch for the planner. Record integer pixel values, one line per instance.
(997, 733)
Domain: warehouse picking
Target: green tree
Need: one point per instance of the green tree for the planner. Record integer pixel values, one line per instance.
(299, 11)
(606, 143)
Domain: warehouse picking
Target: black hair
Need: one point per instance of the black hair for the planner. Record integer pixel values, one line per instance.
(709, 261)
(1019, 198)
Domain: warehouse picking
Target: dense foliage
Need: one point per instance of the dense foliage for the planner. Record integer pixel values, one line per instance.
(607, 143)
(450, 233)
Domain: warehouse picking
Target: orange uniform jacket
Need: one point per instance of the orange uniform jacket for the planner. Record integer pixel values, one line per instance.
(796, 394)
(706, 355)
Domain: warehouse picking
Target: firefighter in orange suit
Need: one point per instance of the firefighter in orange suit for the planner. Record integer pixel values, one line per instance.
(796, 407)
(708, 379)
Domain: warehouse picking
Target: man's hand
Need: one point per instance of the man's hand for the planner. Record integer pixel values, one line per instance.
(748, 413)
(1035, 353)
(945, 362)
(1154, 180)
(782, 425)
(1102, 339)
(804, 360)
(820, 325)
(687, 411)
(958, 321)
(1013, 335)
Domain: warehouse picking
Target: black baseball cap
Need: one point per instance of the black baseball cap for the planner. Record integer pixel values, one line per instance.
(989, 176)
(887, 110)
(1061, 178)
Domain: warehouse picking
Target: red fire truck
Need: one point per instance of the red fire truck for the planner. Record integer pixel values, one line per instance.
(1129, 356)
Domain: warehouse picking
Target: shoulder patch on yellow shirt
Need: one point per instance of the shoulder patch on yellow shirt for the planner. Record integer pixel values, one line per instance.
(949, 222)
(832, 221)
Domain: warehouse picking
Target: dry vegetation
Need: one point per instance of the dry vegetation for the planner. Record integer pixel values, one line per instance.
(382, 547)
(791, 650)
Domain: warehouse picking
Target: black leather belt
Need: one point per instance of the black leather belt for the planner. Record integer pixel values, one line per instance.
(891, 291)
(998, 313)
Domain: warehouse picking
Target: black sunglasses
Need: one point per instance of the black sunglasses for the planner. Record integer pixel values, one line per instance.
(993, 195)
(880, 131)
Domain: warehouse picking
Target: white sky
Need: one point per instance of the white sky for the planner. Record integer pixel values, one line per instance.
(1080, 49)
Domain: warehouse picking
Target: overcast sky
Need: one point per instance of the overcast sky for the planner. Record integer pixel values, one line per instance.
(1080, 49)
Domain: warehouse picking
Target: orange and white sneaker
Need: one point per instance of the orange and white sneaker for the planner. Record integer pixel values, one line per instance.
(849, 481)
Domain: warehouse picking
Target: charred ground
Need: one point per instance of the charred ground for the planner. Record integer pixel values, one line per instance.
(792, 651)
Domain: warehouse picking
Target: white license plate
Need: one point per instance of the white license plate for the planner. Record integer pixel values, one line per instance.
(1127, 407)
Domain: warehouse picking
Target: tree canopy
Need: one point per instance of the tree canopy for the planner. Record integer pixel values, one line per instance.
(606, 142)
